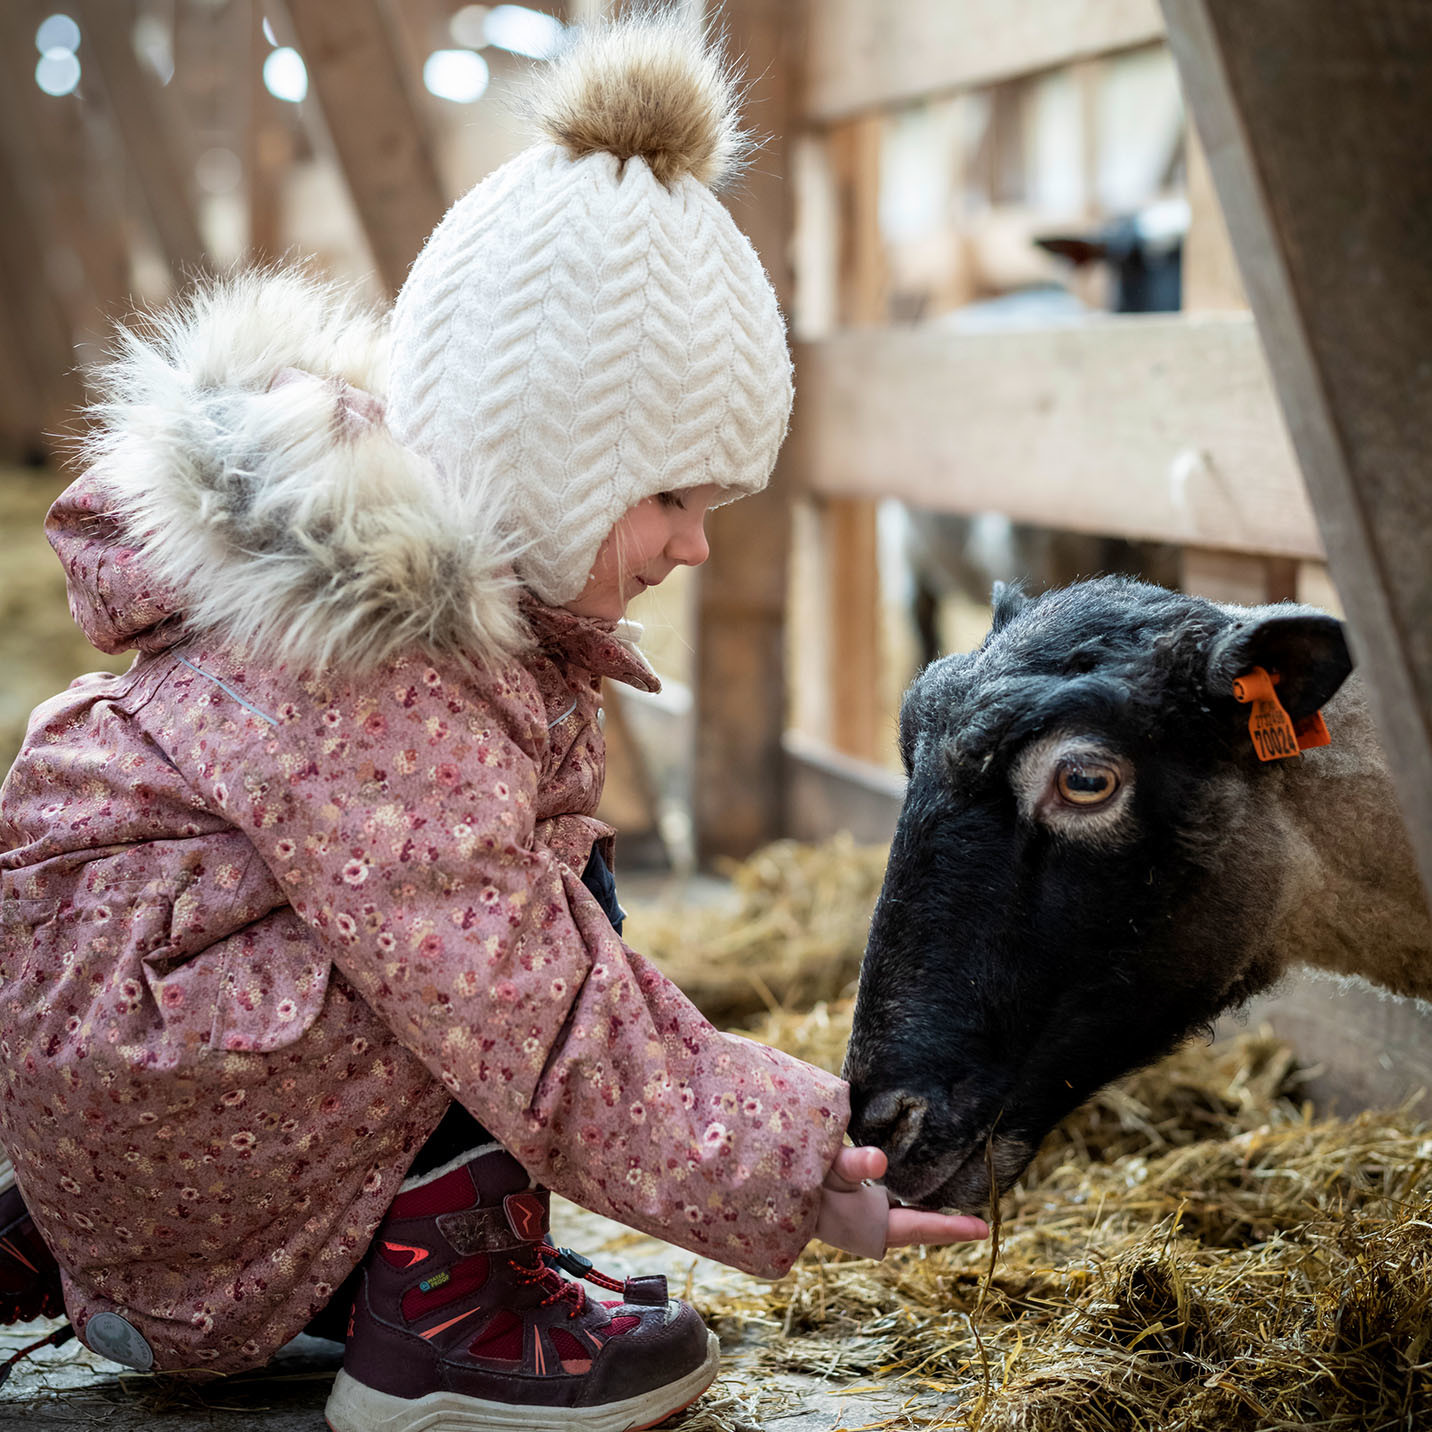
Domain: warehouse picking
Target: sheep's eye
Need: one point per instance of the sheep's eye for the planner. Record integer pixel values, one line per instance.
(1086, 784)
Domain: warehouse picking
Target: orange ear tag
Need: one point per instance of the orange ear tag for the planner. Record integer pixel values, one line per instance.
(1275, 734)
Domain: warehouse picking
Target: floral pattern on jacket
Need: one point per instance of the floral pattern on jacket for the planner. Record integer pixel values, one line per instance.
(260, 927)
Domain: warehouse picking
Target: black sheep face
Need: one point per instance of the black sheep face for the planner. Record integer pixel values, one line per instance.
(1083, 872)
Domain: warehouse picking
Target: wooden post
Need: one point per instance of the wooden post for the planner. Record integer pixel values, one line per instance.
(378, 131)
(849, 524)
(1315, 121)
(739, 673)
(150, 144)
(21, 403)
(268, 150)
(1210, 271)
(1211, 284)
(37, 323)
(72, 200)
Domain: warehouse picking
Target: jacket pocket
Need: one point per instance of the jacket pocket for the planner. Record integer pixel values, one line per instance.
(272, 987)
(256, 990)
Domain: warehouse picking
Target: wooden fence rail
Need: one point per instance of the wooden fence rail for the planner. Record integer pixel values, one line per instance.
(1161, 427)
(869, 56)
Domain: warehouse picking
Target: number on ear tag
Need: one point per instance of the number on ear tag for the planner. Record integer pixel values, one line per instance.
(1275, 736)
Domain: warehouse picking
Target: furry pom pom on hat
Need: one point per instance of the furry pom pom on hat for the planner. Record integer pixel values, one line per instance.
(646, 91)
(587, 327)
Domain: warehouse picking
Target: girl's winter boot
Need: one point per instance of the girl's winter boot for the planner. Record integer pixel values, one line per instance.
(461, 1320)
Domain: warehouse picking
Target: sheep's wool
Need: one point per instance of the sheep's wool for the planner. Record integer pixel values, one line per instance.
(587, 327)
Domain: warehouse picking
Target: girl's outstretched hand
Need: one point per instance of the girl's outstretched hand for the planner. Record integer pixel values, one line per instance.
(859, 1218)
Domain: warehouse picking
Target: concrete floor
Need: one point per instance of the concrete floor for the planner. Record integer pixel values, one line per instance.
(69, 1389)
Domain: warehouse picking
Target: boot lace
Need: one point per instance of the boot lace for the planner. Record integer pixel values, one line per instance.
(542, 1272)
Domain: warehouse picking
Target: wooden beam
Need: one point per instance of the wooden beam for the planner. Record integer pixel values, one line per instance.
(829, 792)
(152, 148)
(267, 152)
(740, 674)
(869, 54)
(22, 419)
(1315, 120)
(379, 133)
(848, 525)
(1238, 576)
(1160, 427)
(72, 198)
(1210, 284)
(1210, 272)
(38, 324)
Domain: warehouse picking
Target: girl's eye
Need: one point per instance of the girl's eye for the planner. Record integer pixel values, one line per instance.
(1086, 785)
(670, 499)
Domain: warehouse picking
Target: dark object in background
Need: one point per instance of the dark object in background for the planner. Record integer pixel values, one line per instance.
(1144, 252)
(952, 553)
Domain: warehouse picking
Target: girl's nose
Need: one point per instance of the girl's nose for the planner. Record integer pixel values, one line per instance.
(689, 545)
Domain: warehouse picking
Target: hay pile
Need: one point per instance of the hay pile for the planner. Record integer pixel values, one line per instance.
(1190, 1253)
(792, 933)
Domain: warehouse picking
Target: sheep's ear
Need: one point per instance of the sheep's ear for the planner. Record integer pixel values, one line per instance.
(1307, 649)
(1006, 603)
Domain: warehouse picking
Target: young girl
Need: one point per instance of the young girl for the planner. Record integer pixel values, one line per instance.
(311, 982)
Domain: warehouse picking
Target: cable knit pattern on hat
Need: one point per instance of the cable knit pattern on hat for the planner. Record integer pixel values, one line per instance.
(587, 327)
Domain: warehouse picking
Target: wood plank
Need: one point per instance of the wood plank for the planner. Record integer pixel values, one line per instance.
(1316, 131)
(1210, 283)
(378, 130)
(739, 673)
(1210, 271)
(151, 146)
(1238, 576)
(857, 724)
(1315, 587)
(629, 800)
(829, 792)
(848, 525)
(268, 150)
(1154, 426)
(1363, 1049)
(867, 54)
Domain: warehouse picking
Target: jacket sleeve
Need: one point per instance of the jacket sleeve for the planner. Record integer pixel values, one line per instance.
(400, 819)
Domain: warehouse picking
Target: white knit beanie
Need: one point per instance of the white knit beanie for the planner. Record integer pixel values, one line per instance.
(588, 327)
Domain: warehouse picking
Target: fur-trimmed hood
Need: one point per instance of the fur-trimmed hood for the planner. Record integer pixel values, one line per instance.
(241, 480)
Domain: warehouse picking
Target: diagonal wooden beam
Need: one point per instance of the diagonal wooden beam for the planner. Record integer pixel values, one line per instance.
(1315, 118)
(150, 143)
(378, 131)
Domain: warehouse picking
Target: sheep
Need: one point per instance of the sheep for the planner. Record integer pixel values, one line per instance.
(1092, 862)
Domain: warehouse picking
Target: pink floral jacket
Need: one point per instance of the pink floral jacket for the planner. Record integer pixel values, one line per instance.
(260, 926)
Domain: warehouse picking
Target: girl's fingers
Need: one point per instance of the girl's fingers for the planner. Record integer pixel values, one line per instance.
(853, 1166)
(912, 1225)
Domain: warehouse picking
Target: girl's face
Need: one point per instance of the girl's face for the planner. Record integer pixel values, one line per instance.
(655, 537)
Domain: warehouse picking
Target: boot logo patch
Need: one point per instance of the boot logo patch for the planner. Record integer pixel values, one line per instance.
(526, 1214)
(417, 1254)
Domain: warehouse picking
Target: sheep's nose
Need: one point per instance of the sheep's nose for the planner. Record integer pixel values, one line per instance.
(891, 1119)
